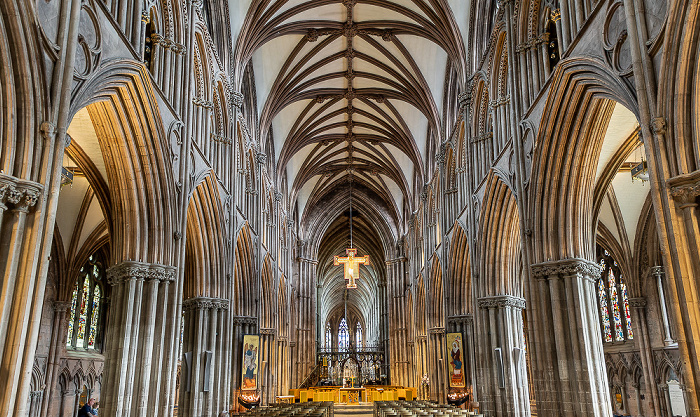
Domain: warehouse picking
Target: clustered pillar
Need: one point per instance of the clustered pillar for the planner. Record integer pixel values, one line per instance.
(206, 363)
(502, 372)
(139, 340)
(567, 358)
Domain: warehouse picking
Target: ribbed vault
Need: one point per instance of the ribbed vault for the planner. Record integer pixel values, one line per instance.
(350, 87)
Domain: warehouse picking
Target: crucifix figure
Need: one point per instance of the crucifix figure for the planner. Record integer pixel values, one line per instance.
(352, 265)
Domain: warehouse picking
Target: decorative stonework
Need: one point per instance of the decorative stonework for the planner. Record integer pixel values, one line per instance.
(501, 301)
(639, 302)
(566, 267)
(268, 331)
(129, 270)
(237, 99)
(685, 188)
(21, 194)
(242, 320)
(205, 303)
(464, 318)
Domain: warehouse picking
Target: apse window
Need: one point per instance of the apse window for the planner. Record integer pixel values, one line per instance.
(343, 335)
(84, 318)
(615, 318)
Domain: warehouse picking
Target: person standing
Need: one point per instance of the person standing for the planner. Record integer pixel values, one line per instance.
(87, 410)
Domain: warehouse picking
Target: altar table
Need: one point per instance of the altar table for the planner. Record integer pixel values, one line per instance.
(353, 395)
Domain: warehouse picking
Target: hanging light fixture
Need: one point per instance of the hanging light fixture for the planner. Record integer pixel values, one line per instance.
(640, 171)
(351, 262)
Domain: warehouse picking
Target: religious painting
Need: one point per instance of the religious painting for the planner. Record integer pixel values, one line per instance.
(251, 349)
(456, 360)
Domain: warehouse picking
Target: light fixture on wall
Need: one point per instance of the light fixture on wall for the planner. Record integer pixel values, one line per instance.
(351, 262)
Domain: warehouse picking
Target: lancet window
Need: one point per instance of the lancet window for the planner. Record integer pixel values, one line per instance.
(358, 335)
(84, 326)
(613, 300)
(329, 336)
(343, 335)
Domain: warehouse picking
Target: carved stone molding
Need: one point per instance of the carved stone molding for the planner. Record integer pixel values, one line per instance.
(59, 306)
(464, 318)
(20, 194)
(685, 188)
(270, 331)
(241, 320)
(129, 270)
(566, 267)
(437, 330)
(205, 303)
(639, 302)
(501, 301)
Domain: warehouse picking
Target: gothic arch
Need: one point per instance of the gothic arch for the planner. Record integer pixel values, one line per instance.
(129, 127)
(459, 273)
(244, 280)
(500, 266)
(576, 115)
(205, 253)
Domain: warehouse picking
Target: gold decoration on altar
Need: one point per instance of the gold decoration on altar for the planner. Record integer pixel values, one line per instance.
(352, 265)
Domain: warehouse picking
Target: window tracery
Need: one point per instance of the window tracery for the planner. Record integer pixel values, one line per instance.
(343, 335)
(358, 335)
(84, 320)
(613, 300)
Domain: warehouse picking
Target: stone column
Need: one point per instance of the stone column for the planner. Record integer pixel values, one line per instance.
(639, 305)
(58, 343)
(305, 349)
(67, 403)
(658, 273)
(503, 384)
(568, 364)
(137, 339)
(268, 361)
(18, 284)
(201, 377)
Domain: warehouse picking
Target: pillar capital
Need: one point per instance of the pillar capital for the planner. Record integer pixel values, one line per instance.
(463, 318)
(128, 270)
(501, 301)
(21, 194)
(638, 302)
(205, 303)
(685, 188)
(566, 267)
(242, 320)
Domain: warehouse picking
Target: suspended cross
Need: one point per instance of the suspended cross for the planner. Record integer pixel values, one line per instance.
(352, 265)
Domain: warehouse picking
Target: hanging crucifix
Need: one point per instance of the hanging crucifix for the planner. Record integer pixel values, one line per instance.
(352, 265)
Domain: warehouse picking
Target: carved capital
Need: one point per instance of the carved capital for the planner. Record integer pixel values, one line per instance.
(267, 331)
(501, 301)
(437, 330)
(60, 306)
(685, 188)
(464, 318)
(638, 302)
(205, 303)
(22, 194)
(130, 270)
(566, 267)
(242, 320)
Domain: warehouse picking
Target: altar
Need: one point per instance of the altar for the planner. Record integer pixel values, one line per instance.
(353, 395)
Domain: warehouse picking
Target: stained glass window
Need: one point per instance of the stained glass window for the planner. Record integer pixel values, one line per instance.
(343, 335)
(358, 336)
(329, 336)
(84, 319)
(615, 318)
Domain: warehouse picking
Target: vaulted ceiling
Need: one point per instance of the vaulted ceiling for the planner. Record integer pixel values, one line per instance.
(350, 96)
(351, 88)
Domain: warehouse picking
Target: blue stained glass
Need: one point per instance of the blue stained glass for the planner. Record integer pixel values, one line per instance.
(603, 300)
(94, 317)
(626, 305)
(619, 334)
(71, 318)
(343, 335)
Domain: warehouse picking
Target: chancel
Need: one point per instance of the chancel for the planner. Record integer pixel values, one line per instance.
(191, 193)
